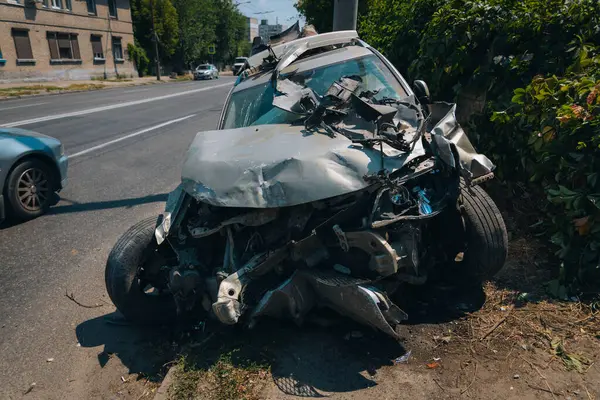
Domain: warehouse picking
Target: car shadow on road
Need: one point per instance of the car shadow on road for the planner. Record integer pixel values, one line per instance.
(143, 350)
(328, 354)
(72, 206)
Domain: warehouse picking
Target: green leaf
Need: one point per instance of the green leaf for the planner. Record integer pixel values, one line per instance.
(594, 199)
(592, 179)
(566, 192)
(517, 99)
(500, 116)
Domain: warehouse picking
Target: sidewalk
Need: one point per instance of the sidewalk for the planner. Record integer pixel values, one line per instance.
(25, 89)
(17, 90)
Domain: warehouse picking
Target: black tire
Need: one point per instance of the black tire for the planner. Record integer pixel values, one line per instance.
(14, 186)
(485, 234)
(123, 266)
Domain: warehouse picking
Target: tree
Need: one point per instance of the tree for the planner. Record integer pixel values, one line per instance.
(318, 13)
(186, 29)
(165, 24)
(197, 23)
(230, 30)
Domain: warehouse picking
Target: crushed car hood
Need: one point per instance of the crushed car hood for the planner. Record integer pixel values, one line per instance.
(268, 166)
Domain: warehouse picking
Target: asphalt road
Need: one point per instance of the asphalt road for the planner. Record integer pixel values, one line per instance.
(126, 147)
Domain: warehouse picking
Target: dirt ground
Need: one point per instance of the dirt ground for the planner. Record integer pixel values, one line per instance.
(484, 344)
(505, 340)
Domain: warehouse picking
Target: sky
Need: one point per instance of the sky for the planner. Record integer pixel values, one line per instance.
(281, 9)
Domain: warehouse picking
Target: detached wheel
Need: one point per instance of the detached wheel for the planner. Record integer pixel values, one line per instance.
(136, 277)
(485, 234)
(29, 189)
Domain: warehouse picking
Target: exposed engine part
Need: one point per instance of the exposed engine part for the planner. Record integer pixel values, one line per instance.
(310, 250)
(197, 227)
(406, 244)
(384, 259)
(227, 308)
(184, 283)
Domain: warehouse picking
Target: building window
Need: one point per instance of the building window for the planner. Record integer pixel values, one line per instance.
(63, 46)
(68, 5)
(91, 6)
(112, 8)
(117, 48)
(97, 47)
(45, 3)
(22, 44)
(57, 4)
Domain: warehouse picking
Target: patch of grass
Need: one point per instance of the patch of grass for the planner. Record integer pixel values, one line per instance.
(31, 88)
(21, 93)
(227, 379)
(119, 78)
(84, 86)
(184, 78)
(37, 89)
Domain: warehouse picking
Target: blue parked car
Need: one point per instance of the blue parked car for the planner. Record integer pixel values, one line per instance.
(33, 167)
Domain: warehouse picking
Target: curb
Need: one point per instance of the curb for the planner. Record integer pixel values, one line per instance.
(59, 92)
(162, 392)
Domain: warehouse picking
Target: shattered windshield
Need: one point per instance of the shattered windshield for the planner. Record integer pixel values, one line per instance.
(254, 106)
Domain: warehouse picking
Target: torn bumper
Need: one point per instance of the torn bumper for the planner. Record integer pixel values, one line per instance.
(351, 297)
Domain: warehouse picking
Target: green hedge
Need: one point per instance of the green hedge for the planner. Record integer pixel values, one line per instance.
(533, 66)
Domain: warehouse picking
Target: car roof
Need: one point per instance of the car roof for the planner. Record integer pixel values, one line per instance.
(323, 39)
(315, 61)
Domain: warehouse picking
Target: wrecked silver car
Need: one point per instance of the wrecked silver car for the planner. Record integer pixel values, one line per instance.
(329, 183)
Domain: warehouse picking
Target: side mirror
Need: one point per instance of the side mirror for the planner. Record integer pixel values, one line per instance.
(422, 92)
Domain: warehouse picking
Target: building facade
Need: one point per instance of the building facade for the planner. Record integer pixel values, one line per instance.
(265, 31)
(44, 40)
(251, 28)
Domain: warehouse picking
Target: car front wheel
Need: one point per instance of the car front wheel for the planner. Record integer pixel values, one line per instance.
(29, 189)
(136, 278)
(486, 235)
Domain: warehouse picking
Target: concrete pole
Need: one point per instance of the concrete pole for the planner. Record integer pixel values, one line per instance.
(345, 14)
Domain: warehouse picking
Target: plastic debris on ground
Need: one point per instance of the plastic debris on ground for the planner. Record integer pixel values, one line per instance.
(403, 359)
(433, 365)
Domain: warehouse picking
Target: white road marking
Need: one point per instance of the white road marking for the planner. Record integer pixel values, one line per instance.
(103, 145)
(134, 91)
(109, 107)
(25, 105)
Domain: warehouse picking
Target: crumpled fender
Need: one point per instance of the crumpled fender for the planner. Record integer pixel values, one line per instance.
(450, 142)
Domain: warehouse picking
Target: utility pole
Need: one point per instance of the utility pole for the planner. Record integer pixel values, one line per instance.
(345, 14)
(157, 60)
